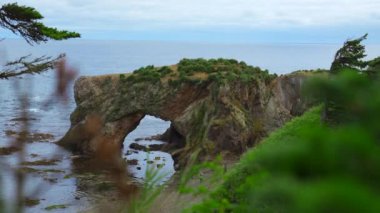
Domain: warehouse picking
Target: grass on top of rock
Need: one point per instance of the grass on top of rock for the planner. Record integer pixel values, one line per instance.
(197, 71)
(311, 72)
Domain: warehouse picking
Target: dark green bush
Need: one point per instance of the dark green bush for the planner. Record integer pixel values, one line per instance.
(164, 70)
(223, 70)
(149, 73)
(219, 70)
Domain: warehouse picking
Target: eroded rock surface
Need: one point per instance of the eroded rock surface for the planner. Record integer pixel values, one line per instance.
(205, 114)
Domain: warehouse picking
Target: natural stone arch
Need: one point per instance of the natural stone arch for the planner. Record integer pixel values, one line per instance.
(204, 115)
(109, 108)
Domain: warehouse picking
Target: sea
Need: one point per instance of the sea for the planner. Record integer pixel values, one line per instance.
(64, 185)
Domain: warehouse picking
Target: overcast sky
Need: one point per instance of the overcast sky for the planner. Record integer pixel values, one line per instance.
(324, 21)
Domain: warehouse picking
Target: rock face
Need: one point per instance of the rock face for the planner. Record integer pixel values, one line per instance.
(206, 116)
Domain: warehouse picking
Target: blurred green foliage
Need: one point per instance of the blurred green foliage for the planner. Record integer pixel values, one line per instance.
(148, 193)
(305, 166)
(350, 97)
(310, 165)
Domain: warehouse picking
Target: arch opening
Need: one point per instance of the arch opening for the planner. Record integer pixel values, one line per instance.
(142, 149)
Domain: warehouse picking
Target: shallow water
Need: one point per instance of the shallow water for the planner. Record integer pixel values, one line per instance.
(70, 186)
(80, 189)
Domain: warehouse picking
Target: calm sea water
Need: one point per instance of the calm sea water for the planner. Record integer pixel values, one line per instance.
(102, 57)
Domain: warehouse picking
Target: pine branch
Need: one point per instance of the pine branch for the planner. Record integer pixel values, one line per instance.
(25, 66)
(23, 20)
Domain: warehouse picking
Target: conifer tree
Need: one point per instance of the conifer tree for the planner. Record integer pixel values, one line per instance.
(350, 56)
(25, 22)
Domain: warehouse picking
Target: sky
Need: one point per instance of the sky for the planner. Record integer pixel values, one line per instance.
(240, 21)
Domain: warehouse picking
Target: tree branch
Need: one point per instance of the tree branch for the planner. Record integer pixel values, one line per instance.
(25, 66)
(24, 21)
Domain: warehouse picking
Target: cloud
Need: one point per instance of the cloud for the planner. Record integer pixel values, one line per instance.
(198, 14)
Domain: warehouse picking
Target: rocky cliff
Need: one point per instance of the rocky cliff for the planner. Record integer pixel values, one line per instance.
(213, 106)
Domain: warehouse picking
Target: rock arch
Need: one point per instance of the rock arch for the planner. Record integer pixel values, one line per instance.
(110, 108)
(209, 116)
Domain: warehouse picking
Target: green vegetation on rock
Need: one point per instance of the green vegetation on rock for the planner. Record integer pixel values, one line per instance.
(197, 71)
(222, 70)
